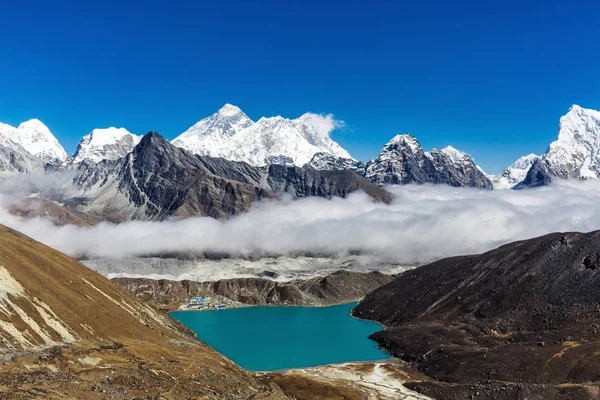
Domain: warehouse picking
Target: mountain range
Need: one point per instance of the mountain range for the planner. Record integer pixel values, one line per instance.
(225, 162)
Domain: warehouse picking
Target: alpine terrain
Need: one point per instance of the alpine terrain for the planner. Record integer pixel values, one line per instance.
(68, 332)
(403, 161)
(513, 174)
(518, 321)
(158, 180)
(230, 134)
(105, 144)
(575, 154)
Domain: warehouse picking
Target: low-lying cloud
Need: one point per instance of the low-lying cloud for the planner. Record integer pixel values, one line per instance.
(423, 223)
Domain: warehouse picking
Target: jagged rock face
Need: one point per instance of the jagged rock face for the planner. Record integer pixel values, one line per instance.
(539, 174)
(158, 180)
(308, 182)
(403, 161)
(230, 134)
(400, 162)
(503, 315)
(105, 144)
(299, 182)
(460, 172)
(329, 162)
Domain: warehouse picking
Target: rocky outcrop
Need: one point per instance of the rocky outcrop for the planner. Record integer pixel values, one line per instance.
(309, 182)
(403, 161)
(15, 158)
(539, 174)
(526, 312)
(329, 162)
(460, 172)
(338, 287)
(300, 182)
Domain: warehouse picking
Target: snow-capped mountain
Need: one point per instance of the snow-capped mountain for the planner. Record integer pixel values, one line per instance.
(105, 144)
(403, 161)
(514, 174)
(230, 134)
(35, 138)
(575, 154)
(212, 136)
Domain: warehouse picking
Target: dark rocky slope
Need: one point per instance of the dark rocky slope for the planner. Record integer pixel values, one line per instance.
(538, 175)
(339, 287)
(527, 313)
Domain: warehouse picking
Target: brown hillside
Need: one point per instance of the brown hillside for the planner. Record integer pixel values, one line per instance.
(68, 332)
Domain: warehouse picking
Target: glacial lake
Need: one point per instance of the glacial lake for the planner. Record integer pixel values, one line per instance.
(274, 338)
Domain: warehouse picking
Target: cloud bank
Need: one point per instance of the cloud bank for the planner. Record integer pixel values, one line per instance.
(424, 223)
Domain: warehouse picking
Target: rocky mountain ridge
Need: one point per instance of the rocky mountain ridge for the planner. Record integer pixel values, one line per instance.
(338, 287)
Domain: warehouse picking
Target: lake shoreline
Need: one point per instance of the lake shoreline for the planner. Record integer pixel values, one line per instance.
(290, 337)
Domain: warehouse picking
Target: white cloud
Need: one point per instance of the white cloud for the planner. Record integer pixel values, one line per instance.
(322, 124)
(423, 223)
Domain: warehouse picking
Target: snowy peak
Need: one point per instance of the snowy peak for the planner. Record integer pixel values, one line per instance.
(211, 136)
(35, 138)
(230, 134)
(105, 144)
(454, 154)
(401, 141)
(225, 122)
(576, 151)
(523, 163)
(231, 111)
(515, 173)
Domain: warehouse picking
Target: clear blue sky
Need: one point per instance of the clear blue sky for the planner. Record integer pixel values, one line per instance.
(491, 78)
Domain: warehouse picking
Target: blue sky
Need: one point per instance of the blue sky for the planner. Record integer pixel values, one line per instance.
(491, 79)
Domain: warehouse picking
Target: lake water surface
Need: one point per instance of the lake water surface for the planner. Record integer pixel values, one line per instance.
(272, 338)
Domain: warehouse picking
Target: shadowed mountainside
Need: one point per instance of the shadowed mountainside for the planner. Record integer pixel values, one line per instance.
(523, 318)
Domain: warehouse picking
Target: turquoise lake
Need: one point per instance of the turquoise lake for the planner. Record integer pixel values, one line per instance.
(273, 338)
